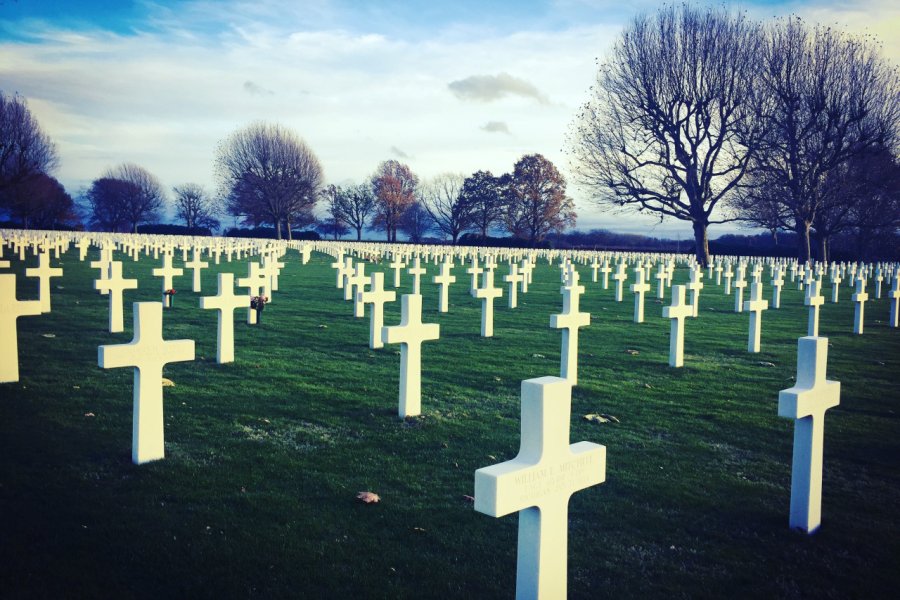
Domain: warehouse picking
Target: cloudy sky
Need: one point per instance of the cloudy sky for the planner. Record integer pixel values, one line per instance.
(451, 86)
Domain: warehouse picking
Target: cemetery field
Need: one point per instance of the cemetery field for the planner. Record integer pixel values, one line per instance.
(264, 456)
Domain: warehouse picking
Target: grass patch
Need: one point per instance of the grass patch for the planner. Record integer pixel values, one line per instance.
(256, 496)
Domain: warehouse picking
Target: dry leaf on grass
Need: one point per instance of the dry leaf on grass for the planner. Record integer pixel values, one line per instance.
(368, 497)
(631, 352)
(167, 382)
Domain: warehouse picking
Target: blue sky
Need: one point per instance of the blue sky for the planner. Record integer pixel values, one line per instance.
(444, 86)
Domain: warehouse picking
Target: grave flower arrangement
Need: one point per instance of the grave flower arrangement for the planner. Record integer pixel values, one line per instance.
(170, 296)
(258, 303)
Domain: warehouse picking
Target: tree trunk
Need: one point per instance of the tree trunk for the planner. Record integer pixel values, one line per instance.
(290, 233)
(701, 243)
(359, 233)
(278, 228)
(803, 250)
(823, 248)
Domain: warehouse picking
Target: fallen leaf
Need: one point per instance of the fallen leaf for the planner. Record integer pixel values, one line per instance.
(89, 414)
(167, 382)
(648, 386)
(594, 418)
(497, 379)
(492, 457)
(323, 326)
(538, 356)
(631, 352)
(418, 529)
(368, 497)
(764, 363)
(468, 498)
(48, 335)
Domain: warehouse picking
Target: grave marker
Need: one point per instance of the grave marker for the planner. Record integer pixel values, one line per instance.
(538, 483)
(677, 313)
(570, 320)
(10, 310)
(148, 353)
(377, 296)
(860, 297)
(487, 294)
(114, 286)
(806, 402)
(410, 334)
(225, 302)
(43, 272)
(755, 305)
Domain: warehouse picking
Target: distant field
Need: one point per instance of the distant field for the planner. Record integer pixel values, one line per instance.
(256, 496)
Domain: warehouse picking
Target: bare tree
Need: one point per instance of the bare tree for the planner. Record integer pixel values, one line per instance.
(357, 205)
(445, 203)
(106, 199)
(395, 186)
(828, 97)
(535, 200)
(195, 207)
(25, 150)
(483, 193)
(669, 127)
(416, 222)
(333, 224)
(269, 175)
(139, 199)
(41, 202)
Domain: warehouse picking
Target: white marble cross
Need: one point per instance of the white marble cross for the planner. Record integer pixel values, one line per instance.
(806, 402)
(397, 264)
(487, 294)
(347, 274)
(570, 320)
(444, 279)
(148, 353)
(538, 483)
(606, 270)
(694, 286)
(860, 297)
(813, 300)
(417, 271)
(102, 263)
(114, 286)
(729, 275)
(739, 285)
(835, 287)
(167, 272)
(619, 277)
(338, 266)
(660, 277)
(410, 334)
(777, 284)
(357, 284)
(474, 270)
(225, 301)
(196, 265)
(755, 305)
(43, 272)
(639, 288)
(256, 282)
(894, 300)
(10, 310)
(513, 280)
(677, 312)
(377, 296)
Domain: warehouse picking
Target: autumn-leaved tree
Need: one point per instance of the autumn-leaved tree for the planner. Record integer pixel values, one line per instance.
(269, 175)
(394, 185)
(535, 201)
(669, 127)
(195, 206)
(449, 209)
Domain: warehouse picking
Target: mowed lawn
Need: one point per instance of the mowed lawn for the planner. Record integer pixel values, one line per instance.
(264, 456)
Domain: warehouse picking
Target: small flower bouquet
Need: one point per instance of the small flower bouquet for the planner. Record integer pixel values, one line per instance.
(170, 297)
(258, 303)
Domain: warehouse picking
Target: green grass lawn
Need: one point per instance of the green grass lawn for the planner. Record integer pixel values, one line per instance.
(264, 456)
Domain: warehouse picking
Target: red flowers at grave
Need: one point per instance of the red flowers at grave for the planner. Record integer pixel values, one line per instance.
(258, 302)
(169, 292)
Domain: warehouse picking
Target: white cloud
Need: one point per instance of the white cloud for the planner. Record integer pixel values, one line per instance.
(495, 127)
(486, 88)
